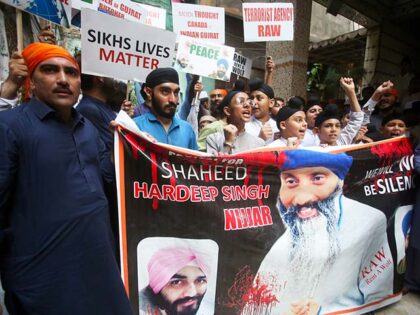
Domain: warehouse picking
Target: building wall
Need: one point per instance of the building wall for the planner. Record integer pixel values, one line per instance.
(325, 25)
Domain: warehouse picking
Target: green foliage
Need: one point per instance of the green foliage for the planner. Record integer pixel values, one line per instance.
(324, 79)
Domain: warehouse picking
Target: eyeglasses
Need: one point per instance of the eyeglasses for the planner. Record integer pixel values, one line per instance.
(244, 102)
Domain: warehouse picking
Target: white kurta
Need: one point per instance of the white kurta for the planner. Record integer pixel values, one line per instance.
(254, 128)
(347, 283)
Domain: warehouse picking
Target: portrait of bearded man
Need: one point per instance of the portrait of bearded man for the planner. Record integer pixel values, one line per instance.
(334, 250)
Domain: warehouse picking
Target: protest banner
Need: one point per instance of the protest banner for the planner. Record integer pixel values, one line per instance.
(242, 65)
(155, 17)
(58, 12)
(202, 22)
(268, 21)
(122, 49)
(204, 58)
(339, 251)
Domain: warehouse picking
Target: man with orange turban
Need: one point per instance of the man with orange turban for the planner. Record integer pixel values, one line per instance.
(55, 237)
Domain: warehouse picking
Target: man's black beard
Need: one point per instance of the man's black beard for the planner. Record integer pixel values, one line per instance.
(325, 208)
(214, 111)
(171, 308)
(159, 108)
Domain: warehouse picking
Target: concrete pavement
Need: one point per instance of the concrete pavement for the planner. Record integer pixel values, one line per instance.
(409, 305)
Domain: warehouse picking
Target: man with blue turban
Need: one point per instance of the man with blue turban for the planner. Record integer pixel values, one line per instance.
(222, 68)
(334, 250)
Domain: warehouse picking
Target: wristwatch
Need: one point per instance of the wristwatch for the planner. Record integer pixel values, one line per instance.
(230, 145)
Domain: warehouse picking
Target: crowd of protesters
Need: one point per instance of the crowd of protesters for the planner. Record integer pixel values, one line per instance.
(64, 141)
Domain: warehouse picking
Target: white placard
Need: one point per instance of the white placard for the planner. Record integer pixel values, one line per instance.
(155, 16)
(123, 9)
(268, 21)
(122, 49)
(242, 65)
(199, 21)
(204, 58)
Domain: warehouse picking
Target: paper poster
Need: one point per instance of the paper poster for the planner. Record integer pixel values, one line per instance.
(123, 9)
(122, 49)
(155, 17)
(265, 22)
(204, 58)
(202, 22)
(242, 65)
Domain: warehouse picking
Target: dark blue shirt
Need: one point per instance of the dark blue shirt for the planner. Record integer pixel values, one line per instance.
(100, 114)
(180, 133)
(56, 250)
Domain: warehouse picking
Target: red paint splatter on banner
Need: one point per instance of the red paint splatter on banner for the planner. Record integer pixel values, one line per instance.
(248, 175)
(154, 178)
(392, 151)
(248, 296)
(388, 153)
(260, 183)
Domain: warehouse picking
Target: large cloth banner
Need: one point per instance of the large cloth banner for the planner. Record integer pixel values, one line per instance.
(267, 21)
(123, 49)
(264, 232)
(56, 11)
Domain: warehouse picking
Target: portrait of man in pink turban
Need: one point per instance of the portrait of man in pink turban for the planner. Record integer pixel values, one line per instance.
(178, 279)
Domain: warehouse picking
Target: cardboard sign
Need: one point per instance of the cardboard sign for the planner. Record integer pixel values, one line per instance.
(122, 49)
(58, 11)
(268, 21)
(242, 65)
(199, 21)
(155, 17)
(203, 58)
(244, 213)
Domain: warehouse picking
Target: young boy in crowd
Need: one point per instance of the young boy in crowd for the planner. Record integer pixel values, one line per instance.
(237, 107)
(328, 125)
(292, 125)
(312, 109)
(261, 124)
(393, 125)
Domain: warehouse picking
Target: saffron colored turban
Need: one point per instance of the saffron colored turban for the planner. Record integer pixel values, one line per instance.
(35, 53)
(168, 261)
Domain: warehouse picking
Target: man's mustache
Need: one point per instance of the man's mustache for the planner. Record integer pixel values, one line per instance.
(62, 90)
(293, 210)
(171, 104)
(186, 299)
